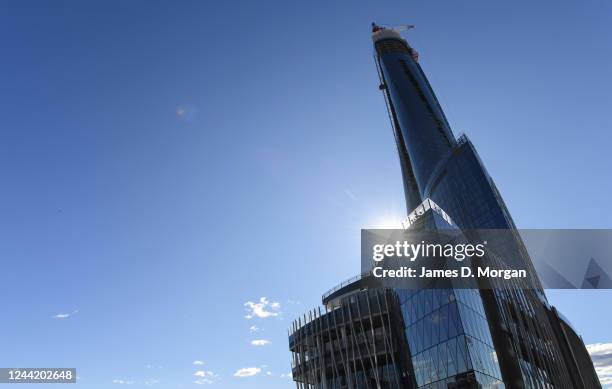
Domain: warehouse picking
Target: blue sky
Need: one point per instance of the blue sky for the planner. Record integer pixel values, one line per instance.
(164, 164)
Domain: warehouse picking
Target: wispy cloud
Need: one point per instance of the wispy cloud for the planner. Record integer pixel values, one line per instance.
(147, 382)
(198, 363)
(204, 377)
(247, 372)
(61, 316)
(350, 194)
(254, 329)
(601, 354)
(262, 309)
(288, 375)
(124, 382)
(260, 342)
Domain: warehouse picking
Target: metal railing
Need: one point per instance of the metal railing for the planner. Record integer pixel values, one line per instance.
(310, 316)
(345, 283)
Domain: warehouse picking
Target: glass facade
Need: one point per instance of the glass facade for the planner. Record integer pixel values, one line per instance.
(495, 337)
(438, 338)
(448, 337)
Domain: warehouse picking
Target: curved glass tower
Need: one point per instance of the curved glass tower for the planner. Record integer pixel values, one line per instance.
(438, 338)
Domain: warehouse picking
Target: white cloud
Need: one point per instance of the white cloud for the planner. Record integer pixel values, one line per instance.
(288, 375)
(205, 377)
(61, 316)
(247, 372)
(260, 342)
(254, 329)
(262, 309)
(198, 363)
(123, 382)
(601, 354)
(599, 348)
(147, 382)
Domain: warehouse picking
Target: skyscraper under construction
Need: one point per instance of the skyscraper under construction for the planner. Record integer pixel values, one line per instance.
(436, 338)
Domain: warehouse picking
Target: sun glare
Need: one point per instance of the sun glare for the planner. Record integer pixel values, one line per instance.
(386, 222)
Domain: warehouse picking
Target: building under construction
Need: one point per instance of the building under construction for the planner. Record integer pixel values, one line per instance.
(377, 338)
